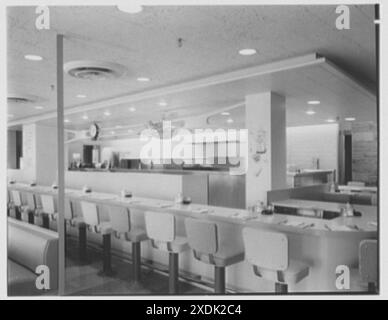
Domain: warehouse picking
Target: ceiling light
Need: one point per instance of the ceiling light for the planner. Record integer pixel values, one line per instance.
(112, 132)
(314, 102)
(225, 113)
(330, 120)
(350, 119)
(132, 8)
(10, 116)
(132, 109)
(310, 112)
(66, 120)
(247, 52)
(81, 96)
(38, 107)
(163, 103)
(130, 130)
(118, 126)
(107, 113)
(229, 120)
(85, 117)
(143, 79)
(33, 57)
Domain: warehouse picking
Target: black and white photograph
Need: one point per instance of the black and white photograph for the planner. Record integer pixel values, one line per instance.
(192, 150)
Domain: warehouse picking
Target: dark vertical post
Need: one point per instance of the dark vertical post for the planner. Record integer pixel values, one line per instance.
(61, 164)
(136, 261)
(106, 255)
(219, 279)
(82, 242)
(173, 272)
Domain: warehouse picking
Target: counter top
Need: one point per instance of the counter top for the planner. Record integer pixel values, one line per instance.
(308, 172)
(280, 222)
(156, 171)
(357, 189)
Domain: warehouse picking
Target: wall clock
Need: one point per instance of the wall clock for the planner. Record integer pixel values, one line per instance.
(94, 131)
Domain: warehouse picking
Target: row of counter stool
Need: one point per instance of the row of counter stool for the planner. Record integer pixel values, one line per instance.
(266, 251)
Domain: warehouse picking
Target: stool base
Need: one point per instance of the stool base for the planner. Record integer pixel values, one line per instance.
(136, 261)
(173, 265)
(281, 287)
(219, 280)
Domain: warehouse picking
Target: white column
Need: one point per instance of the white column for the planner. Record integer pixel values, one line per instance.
(265, 119)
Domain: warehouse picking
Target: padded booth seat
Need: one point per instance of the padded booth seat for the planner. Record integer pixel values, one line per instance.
(28, 247)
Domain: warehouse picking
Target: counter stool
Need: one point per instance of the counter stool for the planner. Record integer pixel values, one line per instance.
(17, 204)
(49, 209)
(368, 263)
(93, 223)
(124, 229)
(268, 253)
(204, 240)
(78, 222)
(161, 229)
(30, 212)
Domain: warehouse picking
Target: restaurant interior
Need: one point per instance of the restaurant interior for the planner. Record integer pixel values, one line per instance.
(191, 150)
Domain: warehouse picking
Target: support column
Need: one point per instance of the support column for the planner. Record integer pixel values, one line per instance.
(265, 118)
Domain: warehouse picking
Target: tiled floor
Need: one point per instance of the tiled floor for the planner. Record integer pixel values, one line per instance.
(83, 278)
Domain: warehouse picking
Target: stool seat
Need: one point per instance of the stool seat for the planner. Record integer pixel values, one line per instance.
(104, 228)
(53, 216)
(179, 244)
(135, 235)
(295, 272)
(76, 222)
(226, 256)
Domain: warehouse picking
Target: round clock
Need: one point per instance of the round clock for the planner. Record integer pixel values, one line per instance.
(94, 130)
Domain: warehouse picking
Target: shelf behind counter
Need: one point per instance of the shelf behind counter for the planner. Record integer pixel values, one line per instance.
(210, 187)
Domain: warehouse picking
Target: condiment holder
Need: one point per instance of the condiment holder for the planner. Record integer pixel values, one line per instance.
(126, 193)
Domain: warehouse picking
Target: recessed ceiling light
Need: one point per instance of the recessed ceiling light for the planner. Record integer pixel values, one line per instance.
(66, 120)
(131, 8)
(310, 112)
(107, 113)
(112, 132)
(229, 120)
(39, 107)
(350, 119)
(143, 79)
(33, 57)
(247, 52)
(81, 96)
(118, 126)
(314, 102)
(132, 109)
(225, 113)
(330, 120)
(10, 116)
(163, 103)
(85, 117)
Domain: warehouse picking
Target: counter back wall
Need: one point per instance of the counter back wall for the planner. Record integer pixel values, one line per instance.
(152, 185)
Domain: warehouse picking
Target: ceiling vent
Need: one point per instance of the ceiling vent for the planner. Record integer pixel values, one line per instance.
(94, 70)
(22, 98)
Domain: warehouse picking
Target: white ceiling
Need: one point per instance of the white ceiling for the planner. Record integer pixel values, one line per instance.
(146, 44)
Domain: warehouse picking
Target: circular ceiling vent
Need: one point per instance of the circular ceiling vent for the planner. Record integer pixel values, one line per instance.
(22, 98)
(94, 70)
